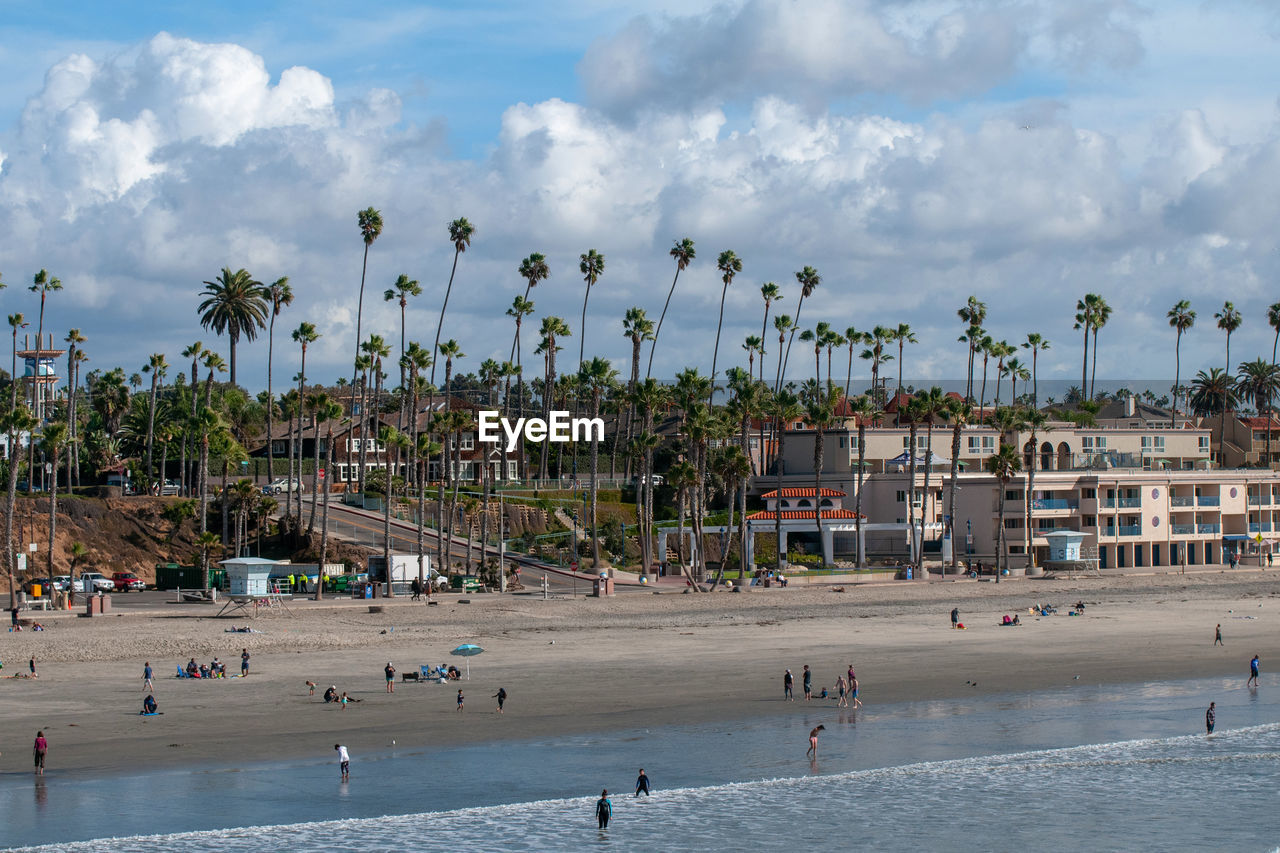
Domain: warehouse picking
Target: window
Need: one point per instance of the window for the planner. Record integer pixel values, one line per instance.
(902, 497)
(1153, 444)
(342, 473)
(1204, 444)
(1012, 523)
(468, 441)
(278, 447)
(1088, 494)
(1013, 494)
(1088, 521)
(324, 447)
(799, 425)
(844, 442)
(979, 444)
(511, 469)
(1095, 443)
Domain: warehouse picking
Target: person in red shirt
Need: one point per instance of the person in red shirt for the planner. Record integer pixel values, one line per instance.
(40, 749)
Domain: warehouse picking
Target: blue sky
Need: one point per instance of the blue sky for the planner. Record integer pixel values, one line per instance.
(915, 152)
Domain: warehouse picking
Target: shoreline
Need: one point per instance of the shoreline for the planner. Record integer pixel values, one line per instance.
(586, 666)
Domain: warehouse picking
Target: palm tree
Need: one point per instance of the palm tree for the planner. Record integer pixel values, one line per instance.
(1016, 370)
(234, 305)
(1036, 343)
(960, 414)
(304, 336)
(771, 293)
(552, 328)
(852, 338)
(591, 265)
(785, 409)
(683, 252)
(1002, 465)
(449, 350)
(1084, 320)
(1212, 392)
(863, 409)
(596, 375)
(75, 357)
(1273, 320)
(973, 315)
(319, 404)
(783, 324)
(1259, 381)
(820, 412)
(520, 308)
(1000, 351)
(16, 422)
(638, 328)
(401, 291)
(532, 269)
(52, 439)
(460, 231)
(16, 322)
(903, 335)
(930, 404)
(809, 279)
(377, 350)
(1229, 319)
(394, 441)
(44, 284)
(1101, 314)
(280, 295)
(753, 345)
(156, 366)
(370, 223)
(729, 265)
(985, 345)
(876, 340)
(1034, 420)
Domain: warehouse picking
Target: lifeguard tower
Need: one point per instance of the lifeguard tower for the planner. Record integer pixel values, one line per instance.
(249, 582)
(40, 375)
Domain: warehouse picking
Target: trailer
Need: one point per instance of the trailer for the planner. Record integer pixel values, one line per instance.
(404, 568)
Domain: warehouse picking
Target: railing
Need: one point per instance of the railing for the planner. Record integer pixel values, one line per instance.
(1209, 528)
(1255, 527)
(1182, 501)
(1055, 503)
(1182, 529)
(1111, 503)
(1130, 529)
(1259, 500)
(1204, 500)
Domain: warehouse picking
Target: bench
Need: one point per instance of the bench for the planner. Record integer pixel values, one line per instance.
(39, 604)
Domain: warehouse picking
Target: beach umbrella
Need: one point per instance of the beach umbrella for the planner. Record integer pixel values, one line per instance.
(467, 650)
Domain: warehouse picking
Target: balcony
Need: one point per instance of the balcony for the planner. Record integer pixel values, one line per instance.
(1255, 527)
(1182, 529)
(1259, 500)
(1055, 503)
(1130, 503)
(1207, 500)
(1178, 500)
(1124, 530)
(1209, 528)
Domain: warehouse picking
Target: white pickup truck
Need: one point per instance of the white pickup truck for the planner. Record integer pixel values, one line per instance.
(95, 582)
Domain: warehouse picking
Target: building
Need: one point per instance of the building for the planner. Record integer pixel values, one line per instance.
(1246, 440)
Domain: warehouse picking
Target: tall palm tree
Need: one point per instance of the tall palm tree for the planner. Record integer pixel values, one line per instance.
(1000, 351)
(729, 265)
(44, 284)
(1101, 314)
(16, 322)
(16, 422)
(597, 375)
(852, 338)
(377, 351)
(591, 265)
(1085, 309)
(987, 346)
(400, 292)
(960, 414)
(808, 279)
(638, 328)
(1259, 381)
(234, 305)
(329, 415)
(157, 367)
(1229, 319)
(771, 293)
(52, 439)
(460, 231)
(753, 345)
(930, 405)
(784, 325)
(304, 336)
(683, 252)
(1034, 420)
(973, 315)
(532, 269)
(449, 350)
(874, 353)
(520, 308)
(552, 329)
(864, 409)
(820, 412)
(785, 408)
(903, 335)
(1036, 343)
(280, 295)
(370, 223)
(1003, 465)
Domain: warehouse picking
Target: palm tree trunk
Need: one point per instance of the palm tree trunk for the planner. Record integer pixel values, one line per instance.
(786, 357)
(780, 551)
(1226, 394)
(1177, 370)
(1094, 373)
(271, 400)
(435, 348)
(364, 429)
(817, 494)
(857, 507)
(658, 331)
(911, 491)
(364, 268)
(1030, 498)
(595, 462)
(716, 352)
(951, 494)
(924, 503)
(316, 484)
(1084, 372)
(53, 508)
(1003, 550)
(11, 504)
(386, 527)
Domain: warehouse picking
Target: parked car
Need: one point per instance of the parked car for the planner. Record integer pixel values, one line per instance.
(45, 585)
(284, 484)
(170, 487)
(96, 582)
(61, 583)
(127, 582)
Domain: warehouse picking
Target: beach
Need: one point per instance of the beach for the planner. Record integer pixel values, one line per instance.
(593, 665)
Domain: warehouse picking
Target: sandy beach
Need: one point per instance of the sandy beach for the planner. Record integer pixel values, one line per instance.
(579, 665)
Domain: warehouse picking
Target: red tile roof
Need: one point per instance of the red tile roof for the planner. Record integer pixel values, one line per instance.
(1260, 423)
(803, 493)
(795, 515)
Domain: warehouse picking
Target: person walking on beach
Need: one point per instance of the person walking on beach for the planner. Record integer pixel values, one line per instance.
(1217, 635)
(1209, 719)
(244, 663)
(390, 672)
(853, 691)
(604, 809)
(146, 677)
(813, 741)
(460, 705)
(788, 681)
(1253, 672)
(955, 617)
(501, 696)
(807, 678)
(41, 749)
(31, 664)
(642, 783)
(840, 687)
(344, 762)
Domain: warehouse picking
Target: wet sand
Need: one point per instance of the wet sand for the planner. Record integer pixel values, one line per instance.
(578, 665)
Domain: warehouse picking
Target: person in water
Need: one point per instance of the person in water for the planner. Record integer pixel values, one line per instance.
(604, 809)
(813, 740)
(642, 783)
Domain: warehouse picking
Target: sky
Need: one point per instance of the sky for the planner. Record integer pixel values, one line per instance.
(914, 153)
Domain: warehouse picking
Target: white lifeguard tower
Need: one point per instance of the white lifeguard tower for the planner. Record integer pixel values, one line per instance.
(1067, 551)
(249, 575)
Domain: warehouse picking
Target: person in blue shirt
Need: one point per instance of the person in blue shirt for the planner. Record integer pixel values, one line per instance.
(149, 704)
(1253, 672)
(604, 809)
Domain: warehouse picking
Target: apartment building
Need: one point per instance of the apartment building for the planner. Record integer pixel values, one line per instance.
(1246, 440)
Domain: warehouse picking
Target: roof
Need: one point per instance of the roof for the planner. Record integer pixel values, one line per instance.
(1261, 422)
(803, 493)
(797, 515)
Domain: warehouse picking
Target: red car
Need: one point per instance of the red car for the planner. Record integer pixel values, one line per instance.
(127, 582)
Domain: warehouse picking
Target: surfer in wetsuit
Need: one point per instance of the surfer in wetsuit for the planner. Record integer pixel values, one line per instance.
(604, 809)
(642, 783)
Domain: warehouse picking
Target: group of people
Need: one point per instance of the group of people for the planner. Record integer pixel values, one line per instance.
(213, 669)
(604, 806)
(844, 691)
(331, 696)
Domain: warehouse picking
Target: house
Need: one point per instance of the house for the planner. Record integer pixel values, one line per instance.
(1246, 440)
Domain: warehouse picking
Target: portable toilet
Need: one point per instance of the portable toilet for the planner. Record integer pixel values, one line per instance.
(249, 575)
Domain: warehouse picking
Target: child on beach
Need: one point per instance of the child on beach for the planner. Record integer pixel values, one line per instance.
(1210, 718)
(244, 662)
(501, 696)
(344, 700)
(642, 783)
(41, 749)
(344, 762)
(459, 701)
(840, 686)
(146, 677)
(813, 741)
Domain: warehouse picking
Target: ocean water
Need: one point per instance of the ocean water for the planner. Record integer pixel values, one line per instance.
(1088, 767)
